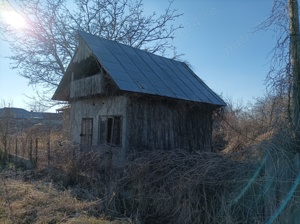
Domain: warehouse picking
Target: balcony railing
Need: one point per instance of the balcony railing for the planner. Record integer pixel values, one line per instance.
(86, 87)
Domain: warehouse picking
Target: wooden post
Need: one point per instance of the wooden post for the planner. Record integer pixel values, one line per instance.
(36, 151)
(16, 147)
(23, 141)
(48, 152)
(8, 149)
(5, 147)
(16, 155)
(30, 150)
(295, 54)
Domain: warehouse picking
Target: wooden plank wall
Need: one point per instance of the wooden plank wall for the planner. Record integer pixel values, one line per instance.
(168, 124)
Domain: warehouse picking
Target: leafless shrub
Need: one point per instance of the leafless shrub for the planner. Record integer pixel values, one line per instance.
(165, 186)
(181, 187)
(246, 186)
(241, 127)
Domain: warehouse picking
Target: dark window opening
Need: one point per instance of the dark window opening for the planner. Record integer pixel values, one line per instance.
(86, 68)
(110, 130)
(116, 136)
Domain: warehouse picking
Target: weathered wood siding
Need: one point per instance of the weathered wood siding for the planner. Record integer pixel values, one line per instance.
(86, 87)
(146, 123)
(168, 124)
(93, 108)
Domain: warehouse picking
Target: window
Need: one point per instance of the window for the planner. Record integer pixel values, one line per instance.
(86, 134)
(110, 130)
(86, 68)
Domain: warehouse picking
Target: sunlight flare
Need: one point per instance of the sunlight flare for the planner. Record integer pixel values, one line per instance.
(14, 19)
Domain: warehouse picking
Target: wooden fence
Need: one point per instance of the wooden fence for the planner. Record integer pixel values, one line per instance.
(31, 150)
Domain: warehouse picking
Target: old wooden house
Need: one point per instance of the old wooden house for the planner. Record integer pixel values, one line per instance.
(128, 98)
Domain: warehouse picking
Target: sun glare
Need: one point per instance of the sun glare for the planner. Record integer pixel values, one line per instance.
(14, 19)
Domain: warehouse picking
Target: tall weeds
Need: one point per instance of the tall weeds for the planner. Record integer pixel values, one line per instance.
(253, 185)
(169, 186)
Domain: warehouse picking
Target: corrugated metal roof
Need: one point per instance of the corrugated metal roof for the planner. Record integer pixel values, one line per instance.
(136, 70)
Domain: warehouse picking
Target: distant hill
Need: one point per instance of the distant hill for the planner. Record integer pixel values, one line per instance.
(20, 119)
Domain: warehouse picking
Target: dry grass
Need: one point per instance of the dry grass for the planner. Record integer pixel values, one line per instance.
(167, 186)
(41, 202)
(156, 186)
(182, 187)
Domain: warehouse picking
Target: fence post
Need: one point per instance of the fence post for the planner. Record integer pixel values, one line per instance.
(16, 149)
(5, 146)
(16, 154)
(9, 149)
(24, 143)
(4, 156)
(36, 151)
(30, 150)
(48, 152)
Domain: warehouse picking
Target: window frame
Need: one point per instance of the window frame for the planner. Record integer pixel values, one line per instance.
(112, 133)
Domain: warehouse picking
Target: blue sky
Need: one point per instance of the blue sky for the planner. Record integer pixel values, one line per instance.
(217, 40)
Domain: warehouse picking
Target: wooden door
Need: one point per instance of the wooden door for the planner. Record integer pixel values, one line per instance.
(86, 131)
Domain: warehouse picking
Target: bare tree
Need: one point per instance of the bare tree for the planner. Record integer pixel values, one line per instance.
(278, 77)
(295, 61)
(41, 50)
(284, 73)
(6, 103)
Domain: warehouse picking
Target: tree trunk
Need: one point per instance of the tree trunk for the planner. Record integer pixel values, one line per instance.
(295, 51)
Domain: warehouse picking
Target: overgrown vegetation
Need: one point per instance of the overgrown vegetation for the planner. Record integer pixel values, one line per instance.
(252, 177)
(39, 201)
(153, 187)
(241, 126)
(252, 180)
